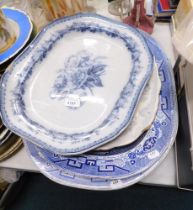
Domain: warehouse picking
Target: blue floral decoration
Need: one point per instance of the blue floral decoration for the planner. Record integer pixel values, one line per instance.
(81, 73)
(149, 143)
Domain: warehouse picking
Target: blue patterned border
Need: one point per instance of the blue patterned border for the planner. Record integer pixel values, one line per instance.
(119, 104)
(73, 180)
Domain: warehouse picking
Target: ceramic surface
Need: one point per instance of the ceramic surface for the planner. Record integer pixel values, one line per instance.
(143, 116)
(22, 27)
(73, 180)
(74, 110)
(148, 150)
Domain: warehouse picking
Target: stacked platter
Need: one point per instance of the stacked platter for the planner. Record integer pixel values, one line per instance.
(9, 142)
(94, 100)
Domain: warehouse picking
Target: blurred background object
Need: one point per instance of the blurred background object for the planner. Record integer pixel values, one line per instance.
(37, 14)
(7, 35)
(18, 4)
(120, 7)
(164, 9)
(16, 29)
(44, 11)
(182, 37)
(60, 8)
(138, 17)
(184, 7)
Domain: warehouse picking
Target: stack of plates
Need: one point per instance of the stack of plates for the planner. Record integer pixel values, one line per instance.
(94, 100)
(9, 142)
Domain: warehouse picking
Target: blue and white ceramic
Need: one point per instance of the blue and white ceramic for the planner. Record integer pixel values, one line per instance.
(77, 85)
(22, 27)
(146, 152)
(73, 180)
(144, 114)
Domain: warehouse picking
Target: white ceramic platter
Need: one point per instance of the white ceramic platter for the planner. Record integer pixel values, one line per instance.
(143, 116)
(77, 85)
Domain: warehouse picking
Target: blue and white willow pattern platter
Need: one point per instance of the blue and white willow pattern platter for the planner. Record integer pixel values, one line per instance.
(77, 85)
(127, 161)
(70, 179)
(22, 27)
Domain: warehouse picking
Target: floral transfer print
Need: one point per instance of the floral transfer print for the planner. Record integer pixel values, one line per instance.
(80, 75)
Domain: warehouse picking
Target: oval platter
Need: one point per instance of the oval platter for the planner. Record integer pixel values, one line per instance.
(58, 92)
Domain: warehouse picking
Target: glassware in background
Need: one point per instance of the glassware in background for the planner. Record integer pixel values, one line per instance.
(120, 7)
(45, 11)
(59, 8)
(7, 35)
